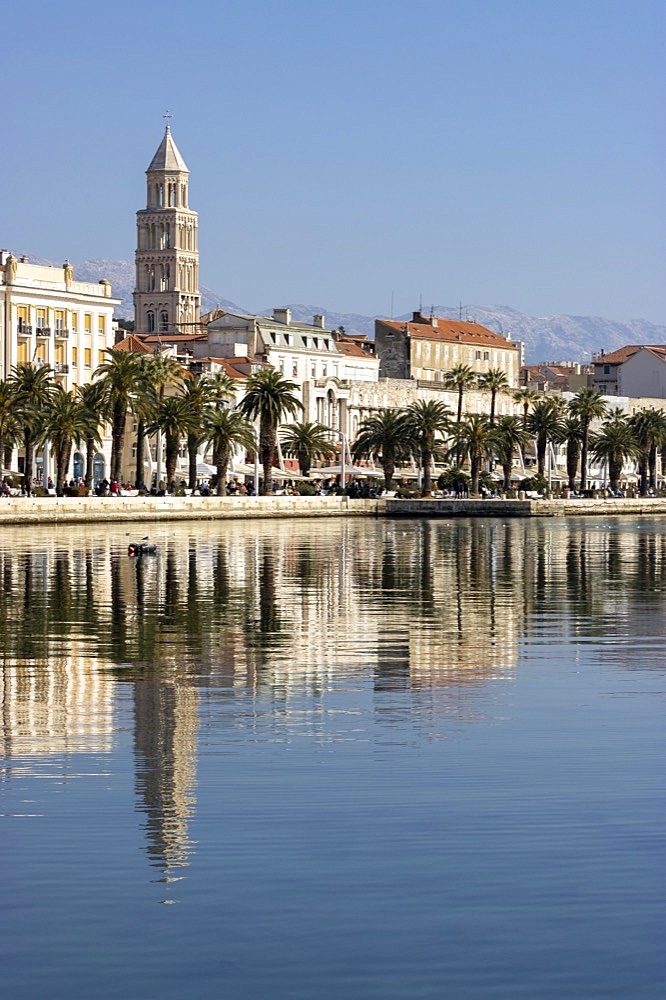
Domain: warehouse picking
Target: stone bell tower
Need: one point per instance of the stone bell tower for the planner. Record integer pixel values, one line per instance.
(166, 296)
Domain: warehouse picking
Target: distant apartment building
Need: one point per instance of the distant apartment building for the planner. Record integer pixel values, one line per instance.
(48, 318)
(634, 370)
(427, 347)
(569, 376)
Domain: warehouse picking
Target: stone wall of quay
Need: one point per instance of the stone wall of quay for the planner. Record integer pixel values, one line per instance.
(87, 510)
(526, 508)
(78, 510)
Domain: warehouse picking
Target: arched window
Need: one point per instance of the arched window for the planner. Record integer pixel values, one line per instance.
(151, 277)
(77, 466)
(151, 321)
(164, 321)
(160, 196)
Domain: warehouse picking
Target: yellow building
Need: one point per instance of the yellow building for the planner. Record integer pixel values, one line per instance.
(46, 317)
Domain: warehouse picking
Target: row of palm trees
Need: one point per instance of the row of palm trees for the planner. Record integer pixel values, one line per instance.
(165, 400)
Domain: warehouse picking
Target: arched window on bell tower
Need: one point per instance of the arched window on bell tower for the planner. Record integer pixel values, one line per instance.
(164, 321)
(150, 321)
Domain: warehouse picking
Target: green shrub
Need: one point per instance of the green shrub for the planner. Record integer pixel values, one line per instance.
(537, 483)
(306, 489)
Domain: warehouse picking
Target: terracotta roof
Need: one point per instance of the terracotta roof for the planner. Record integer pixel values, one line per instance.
(621, 355)
(353, 350)
(449, 330)
(228, 365)
(132, 344)
(171, 338)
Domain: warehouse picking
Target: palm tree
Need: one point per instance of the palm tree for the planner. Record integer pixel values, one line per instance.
(545, 424)
(196, 394)
(221, 389)
(459, 378)
(7, 418)
(476, 436)
(384, 435)
(649, 429)
(33, 387)
(164, 372)
(614, 443)
(587, 405)
(91, 397)
(307, 442)
(225, 429)
(121, 376)
(66, 419)
(269, 397)
(526, 397)
(509, 435)
(426, 420)
(173, 419)
(572, 434)
(494, 380)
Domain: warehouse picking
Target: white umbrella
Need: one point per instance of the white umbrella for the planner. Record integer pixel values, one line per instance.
(204, 469)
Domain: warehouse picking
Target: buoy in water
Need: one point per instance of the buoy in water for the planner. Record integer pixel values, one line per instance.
(141, 549)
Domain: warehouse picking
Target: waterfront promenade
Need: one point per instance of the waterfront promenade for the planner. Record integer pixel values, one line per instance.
(77, 510)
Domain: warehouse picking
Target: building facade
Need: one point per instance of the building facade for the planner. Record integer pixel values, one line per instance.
(46, 317)
(166, 297)
(427, 347)
(635, 370)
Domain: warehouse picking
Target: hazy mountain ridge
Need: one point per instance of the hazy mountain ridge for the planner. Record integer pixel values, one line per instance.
(546, 338)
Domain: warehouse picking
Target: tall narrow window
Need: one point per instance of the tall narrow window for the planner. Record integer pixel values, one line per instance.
(151, 321)
(164, 321)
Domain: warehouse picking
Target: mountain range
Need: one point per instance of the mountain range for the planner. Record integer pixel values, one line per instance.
(546, 338)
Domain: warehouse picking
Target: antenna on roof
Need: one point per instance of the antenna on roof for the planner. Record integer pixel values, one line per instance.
(432, 311)
(391, 305)
(421, 302)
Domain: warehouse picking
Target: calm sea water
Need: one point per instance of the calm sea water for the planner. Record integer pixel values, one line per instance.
(334, 760)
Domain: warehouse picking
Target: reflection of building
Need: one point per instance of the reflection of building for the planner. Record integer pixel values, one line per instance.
(165, 742)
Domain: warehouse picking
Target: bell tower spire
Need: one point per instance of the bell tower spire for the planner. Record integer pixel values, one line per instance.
(166, 295)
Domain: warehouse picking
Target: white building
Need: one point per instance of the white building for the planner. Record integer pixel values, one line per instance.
(323, 363)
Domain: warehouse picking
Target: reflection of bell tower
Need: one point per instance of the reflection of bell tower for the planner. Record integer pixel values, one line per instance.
(166, 296)
(166, 723)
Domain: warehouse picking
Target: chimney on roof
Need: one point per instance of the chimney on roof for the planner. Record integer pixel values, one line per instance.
(282, 316)
(318, 320)
(418, 317)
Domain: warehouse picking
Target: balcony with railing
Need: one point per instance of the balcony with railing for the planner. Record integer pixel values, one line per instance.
(60, 369)
(43, 331)
(62, 333)
(24, 330)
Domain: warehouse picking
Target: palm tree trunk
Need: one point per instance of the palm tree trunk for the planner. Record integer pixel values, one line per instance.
(267, 448)
(652, 468)
(542, 444)
(507, 466)
(475, 469)
(460, 401)
(643, 473)
(172, 442)
(583, 459)
(90, 462)
(192, 444)
(426, 466)
(222, 466)
(117, 441)
(140, 454)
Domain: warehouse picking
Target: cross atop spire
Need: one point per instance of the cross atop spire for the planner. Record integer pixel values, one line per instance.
(167, 118)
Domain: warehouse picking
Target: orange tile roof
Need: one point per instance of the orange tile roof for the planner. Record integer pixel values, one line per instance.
(132, 344)
(353, 350)
(451, 331)
(617, 357)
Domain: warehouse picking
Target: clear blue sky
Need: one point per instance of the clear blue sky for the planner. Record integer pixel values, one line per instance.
(344, 152)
